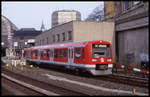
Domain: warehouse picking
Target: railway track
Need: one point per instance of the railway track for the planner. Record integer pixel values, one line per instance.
(41, 88)
(135, 81)
(10, 87)
(129, 80)
(62, 76)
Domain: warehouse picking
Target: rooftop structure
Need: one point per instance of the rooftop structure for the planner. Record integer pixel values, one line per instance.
(63, 16)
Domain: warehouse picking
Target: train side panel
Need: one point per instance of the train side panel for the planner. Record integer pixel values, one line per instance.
(90, 56)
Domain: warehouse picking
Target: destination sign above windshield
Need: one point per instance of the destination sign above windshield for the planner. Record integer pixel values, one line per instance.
(99, 45)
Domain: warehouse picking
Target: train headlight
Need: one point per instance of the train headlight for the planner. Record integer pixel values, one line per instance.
(94, 60)
(110, 65)
(108, 60)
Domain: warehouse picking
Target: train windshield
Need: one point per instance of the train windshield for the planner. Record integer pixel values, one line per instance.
(101, 50)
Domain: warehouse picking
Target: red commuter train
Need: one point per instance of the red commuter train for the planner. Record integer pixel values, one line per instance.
(92, 56)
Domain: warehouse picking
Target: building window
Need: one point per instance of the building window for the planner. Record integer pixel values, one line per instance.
(47, 40)
(126, 5)
(58, 37)
(63, 34)
(69, 35)
(53, 38)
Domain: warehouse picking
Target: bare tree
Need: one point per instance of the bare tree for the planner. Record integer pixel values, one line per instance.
(96, 15)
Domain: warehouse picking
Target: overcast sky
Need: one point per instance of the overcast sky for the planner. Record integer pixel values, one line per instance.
(31, 14)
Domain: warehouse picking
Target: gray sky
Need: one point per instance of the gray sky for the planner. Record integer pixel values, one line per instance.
(31, 14)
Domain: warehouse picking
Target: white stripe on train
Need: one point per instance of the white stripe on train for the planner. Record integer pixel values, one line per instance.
(92, 66)
(66, 64)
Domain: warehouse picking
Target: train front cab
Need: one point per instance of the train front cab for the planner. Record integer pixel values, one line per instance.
(100, 58)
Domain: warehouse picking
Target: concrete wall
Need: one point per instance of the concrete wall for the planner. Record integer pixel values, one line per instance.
(84, 31)
(132, 43)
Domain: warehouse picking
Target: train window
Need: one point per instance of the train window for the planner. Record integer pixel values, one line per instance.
(78, 53)
(108, 53)
(83, 53)
(60, 53)
(47, 52)
(55, 53)
(35, 53)
(101, 50)
(65, 53)
(41, 53)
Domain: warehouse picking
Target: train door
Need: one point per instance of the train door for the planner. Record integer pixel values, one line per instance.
(38, 56)
(51, 55)
(71, 57)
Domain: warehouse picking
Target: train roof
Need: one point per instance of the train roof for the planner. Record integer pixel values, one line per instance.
(69, 44)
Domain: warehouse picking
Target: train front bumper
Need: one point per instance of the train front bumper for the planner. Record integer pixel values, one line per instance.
(101, 69)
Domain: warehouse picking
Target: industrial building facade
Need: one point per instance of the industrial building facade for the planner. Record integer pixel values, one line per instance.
(76, 31)
(131, 28)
